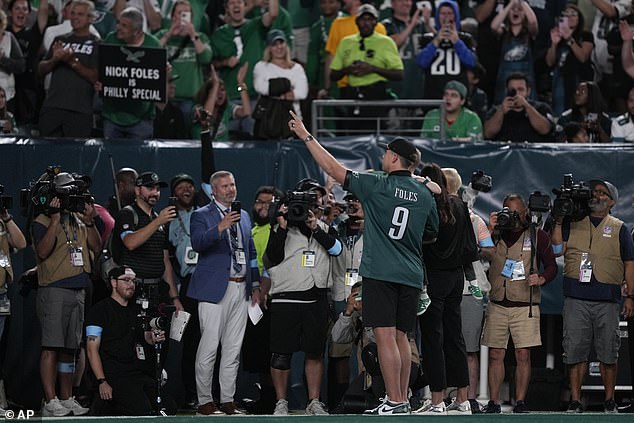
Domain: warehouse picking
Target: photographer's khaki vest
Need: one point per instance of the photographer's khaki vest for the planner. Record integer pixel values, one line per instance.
(290, 275)
(503, 287)
(603, 245)
(6, 273)
(57, 265)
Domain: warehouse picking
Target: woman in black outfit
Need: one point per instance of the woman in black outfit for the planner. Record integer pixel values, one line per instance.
(443, 349)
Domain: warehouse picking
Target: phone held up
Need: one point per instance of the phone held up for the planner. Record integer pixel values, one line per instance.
(236, 206)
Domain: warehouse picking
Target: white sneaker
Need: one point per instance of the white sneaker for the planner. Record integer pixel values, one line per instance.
(281, 408)
(54, 408)
(423, 302)
(456, 409)
(387, 407)
(434, 410)
(426, 406)
(316, 408)
(72, 404)
(474, 289)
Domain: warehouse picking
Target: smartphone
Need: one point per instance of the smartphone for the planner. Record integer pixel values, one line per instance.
(186, 17)
(563, 24)
(171, 201)
(423, 5)
(592, 117)
(236, 206)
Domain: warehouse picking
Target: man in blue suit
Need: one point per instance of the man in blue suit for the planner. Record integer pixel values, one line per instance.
(225, 277)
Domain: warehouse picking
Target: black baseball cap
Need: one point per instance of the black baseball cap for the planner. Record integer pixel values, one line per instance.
(117, 272)
(403, 147)
(150, 179)
(181, 177)
(308, 184)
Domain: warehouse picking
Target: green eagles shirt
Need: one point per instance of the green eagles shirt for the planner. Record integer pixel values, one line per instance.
(398, 211)
(378, 50)
(303, 16)
(245, 42)
(317, 53)
(125, 112)
(283, 22)
(189, 65)
(468, 125)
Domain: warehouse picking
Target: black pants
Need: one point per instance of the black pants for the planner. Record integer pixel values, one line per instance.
(444, 354)
(363, 119)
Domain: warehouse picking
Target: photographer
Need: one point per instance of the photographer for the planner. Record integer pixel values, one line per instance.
(64, 242)
(297, 258)
(117, 351)
(598, 255)
(514, 272)
(518, 119)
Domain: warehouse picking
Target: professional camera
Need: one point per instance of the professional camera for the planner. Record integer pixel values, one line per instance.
(299, 204)
(70, 189)
(481, 181)
(538, 202)
(572, 201)
(507, 219)
(6, 201)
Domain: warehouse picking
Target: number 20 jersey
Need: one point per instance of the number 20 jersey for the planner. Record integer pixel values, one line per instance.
(398, 210)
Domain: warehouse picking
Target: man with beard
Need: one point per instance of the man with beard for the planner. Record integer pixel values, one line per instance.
(598, 255)
(461, 124)
(113, 335)
(144, 237)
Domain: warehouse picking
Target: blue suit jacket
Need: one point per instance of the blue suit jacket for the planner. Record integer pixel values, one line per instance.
(211, 276)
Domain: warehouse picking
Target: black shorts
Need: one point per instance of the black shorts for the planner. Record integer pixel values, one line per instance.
(388, 304)
(299, 327)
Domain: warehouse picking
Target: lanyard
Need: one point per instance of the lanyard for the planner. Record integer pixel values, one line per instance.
(74, 228)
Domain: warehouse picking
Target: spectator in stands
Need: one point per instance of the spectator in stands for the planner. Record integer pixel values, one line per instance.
(517, 118)
(341, 28)
(7, 121)
(11, 62)
(105, 19)
(485, 11)
(212, 103)
(237, 42)
(575, 132)
(283, 22)
(280, 80)
(369, 59)
(189, 53)
(608, 12)
(589, 109)
(317, 54)
(303, 15)
(520, 251)
(199, 17)
(623, 125)
(517, 26)
(64, 27)
(446, 54)
(460, 123)
(598, 287)
(620, 81)
(28, 94)
(569, 55)
(406, 29)
(72, 60)
(477, 100)
(123, 118)
(150, 10)
(169, 121)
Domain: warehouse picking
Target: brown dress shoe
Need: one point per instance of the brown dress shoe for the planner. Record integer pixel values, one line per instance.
(208, 409)
(230, 408)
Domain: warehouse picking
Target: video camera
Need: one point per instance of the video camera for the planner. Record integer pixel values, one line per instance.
(299, 204)
(538, 202)
(6, 201)
(572, 199)
(481, 181)
(71, 189)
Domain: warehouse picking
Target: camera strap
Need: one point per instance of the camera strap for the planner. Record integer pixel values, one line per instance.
(180, 221)
(70, 243)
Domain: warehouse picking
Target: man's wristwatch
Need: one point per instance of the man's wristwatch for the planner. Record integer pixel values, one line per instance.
(309, 138)
(100, 381)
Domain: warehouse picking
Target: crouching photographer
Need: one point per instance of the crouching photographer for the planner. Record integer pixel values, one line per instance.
(297, 258)
(120, 353)
(521, 251)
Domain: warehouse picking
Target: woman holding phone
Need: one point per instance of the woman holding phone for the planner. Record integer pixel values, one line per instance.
(569, 56)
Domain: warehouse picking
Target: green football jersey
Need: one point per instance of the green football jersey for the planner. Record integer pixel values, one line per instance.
(398, 211)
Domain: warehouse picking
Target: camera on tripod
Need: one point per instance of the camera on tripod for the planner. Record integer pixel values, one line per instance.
(572, 199)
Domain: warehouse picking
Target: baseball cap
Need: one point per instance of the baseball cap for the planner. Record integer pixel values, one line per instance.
(614, 193)
(308, 184)
(149, 179)
(274, 35)
(457, 86)
(181, 177)
(402, 147)
(369, 9)
(117, 272)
